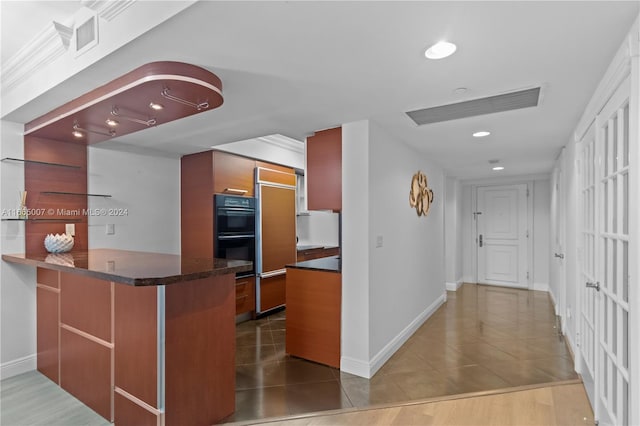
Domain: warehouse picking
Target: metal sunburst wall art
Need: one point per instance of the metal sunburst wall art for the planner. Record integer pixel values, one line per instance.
(420, 196)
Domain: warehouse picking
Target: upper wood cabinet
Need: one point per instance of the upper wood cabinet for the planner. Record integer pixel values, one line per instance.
(233, 175)
(324, 170)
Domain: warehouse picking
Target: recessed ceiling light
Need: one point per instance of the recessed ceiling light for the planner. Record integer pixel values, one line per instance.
(460, 91)
(440, 50)
(498, 168)
(156, 106)
(111, 122)
(481, 134)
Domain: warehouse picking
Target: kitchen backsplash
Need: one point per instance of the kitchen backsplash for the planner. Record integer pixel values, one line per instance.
(318, 228)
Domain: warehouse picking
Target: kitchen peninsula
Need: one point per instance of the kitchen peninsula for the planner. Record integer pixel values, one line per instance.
(141, 338)
(314, 309)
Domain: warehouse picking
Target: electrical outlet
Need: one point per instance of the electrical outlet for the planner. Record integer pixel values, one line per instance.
(70, 229)
(111, 229)
(379, 241)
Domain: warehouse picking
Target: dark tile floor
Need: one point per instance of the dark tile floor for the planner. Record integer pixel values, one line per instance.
(483, 338)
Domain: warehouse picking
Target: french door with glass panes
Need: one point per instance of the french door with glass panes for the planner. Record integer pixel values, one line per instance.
(605, 266)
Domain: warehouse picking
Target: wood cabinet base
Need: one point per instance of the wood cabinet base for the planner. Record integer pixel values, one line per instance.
(313, 315)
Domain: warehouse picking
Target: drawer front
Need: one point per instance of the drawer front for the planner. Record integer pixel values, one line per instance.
(245, 295)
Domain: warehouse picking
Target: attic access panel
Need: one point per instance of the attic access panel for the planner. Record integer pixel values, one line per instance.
(196, 89)
(481, 106)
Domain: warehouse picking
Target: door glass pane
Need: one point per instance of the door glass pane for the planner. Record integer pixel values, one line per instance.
(625, 204)
(614, 144)
(625, 271)
(614, 391)
(614, 269)
(606, 263)
(625, 403)
(605, 130)
(625, 158)
(614, 204)
(605, 373)
(605, 326)
(625, 338)
(614, 328)
(605, 196)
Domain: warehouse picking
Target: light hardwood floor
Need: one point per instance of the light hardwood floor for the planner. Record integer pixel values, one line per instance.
(558, 405)
(33, 399)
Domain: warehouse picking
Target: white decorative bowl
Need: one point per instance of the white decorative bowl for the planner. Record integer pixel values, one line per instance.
(59, 243)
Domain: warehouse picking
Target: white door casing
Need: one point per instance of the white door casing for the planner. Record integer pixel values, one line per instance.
(502, 245)
(587, 263)
(558, 238)
(613, 307)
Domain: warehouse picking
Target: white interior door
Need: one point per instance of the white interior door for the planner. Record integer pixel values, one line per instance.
(612, 375)
(502, 235)
(558, 238)
(587, 263)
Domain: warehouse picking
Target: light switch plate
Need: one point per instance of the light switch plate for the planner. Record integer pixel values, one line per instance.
(111, 229)
(379, 241)
(70, 229)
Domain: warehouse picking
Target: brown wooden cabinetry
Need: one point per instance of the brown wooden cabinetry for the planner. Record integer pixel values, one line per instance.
(313, 315)
(233, 174)
(245, 295)
(317, 252)
(324, 170)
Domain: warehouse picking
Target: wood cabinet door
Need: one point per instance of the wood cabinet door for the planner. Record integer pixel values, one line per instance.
(233, 174)
(278, 227)
(324, 170)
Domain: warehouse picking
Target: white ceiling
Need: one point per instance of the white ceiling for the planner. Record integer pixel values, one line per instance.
(295, 67)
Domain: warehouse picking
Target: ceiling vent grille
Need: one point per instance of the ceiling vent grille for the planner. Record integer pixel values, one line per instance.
(86, 35)
(492, 104)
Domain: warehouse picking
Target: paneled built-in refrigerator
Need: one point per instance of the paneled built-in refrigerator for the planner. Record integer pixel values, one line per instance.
(275, 236)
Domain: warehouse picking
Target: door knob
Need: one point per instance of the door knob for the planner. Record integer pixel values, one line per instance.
(595, 285)
(560, 255)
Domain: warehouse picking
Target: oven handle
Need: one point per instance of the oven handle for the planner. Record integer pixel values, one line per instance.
(236, 237)
(241, 210)
(273, 273)
(235, 191)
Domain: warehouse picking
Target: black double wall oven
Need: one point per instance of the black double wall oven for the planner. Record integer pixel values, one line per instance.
(235, 226)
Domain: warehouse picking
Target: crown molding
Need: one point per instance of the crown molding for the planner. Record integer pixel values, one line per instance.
(107, 9)
(283, 142)
(49, 44)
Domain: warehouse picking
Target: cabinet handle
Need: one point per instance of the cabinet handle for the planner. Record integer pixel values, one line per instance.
(236, 191)
(273, 273)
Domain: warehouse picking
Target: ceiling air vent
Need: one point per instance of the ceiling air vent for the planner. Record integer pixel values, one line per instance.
(86, 35)
(505, 102)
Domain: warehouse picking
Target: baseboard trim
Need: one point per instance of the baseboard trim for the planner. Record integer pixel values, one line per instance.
(541, 286)
(368, 369)
(453, 286)
(553, 300)
(354, 366)
(18, 366)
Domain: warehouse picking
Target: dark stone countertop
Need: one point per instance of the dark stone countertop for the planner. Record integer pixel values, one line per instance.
(327, 264)
(132, 267)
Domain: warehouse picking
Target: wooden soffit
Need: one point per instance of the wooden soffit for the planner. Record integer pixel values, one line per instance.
(181, 89)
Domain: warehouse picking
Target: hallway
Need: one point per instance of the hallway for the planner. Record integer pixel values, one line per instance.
(483, 338)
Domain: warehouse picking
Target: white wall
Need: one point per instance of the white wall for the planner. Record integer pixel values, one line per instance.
(468, 235)
(540, 197)
(147, 188)
(356, 247)
(407, 273)
(17, 282)
(39, 78)
(453, 233)
(318, 228)
(397, 286)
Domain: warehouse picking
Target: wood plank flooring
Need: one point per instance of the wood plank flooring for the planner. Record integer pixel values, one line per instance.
(561, 405)
(33, 399)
